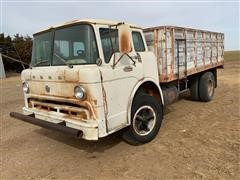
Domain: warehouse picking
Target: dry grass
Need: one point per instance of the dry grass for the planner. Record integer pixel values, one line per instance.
(232, 55)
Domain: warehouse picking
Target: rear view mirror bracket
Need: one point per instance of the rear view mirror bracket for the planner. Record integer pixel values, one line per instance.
(115, 63)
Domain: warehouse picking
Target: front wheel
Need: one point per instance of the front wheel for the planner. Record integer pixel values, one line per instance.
(146, 119)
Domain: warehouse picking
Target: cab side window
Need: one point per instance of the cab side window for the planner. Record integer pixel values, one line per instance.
(109, 40)
(138, 41)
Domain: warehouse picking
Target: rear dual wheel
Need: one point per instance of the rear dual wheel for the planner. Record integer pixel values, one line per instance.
(194, 84)
(203, 88)
(206, 87)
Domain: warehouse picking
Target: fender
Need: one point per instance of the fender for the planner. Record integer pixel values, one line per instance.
(138, 84)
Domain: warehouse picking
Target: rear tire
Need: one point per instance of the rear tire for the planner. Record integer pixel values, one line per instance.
(146, 119)
(194, 95)
(206, 87)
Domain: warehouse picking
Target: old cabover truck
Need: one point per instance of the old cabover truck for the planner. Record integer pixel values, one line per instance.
(91, 78)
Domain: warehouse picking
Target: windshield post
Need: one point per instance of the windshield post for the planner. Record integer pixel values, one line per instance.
(52, 45)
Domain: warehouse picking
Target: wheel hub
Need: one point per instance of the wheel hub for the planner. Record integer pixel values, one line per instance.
(210, 87)
(144, 120)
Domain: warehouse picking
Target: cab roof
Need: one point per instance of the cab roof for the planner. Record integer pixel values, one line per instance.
(87, 21)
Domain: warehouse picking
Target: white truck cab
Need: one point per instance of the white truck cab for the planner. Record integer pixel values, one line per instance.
(86, 74)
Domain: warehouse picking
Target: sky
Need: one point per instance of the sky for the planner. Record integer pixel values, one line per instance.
(27, 17)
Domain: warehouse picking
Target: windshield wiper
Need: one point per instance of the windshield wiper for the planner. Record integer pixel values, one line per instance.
(40, 62)
(63, 60)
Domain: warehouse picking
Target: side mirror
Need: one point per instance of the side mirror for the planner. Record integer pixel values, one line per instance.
(124, 39)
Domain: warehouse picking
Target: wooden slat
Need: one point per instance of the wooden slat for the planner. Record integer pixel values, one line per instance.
(195, 49)
(165, 53)
(172, 51)
(211, 44)
(204, 47)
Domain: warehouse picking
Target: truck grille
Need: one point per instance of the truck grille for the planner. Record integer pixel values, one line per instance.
(63, 109)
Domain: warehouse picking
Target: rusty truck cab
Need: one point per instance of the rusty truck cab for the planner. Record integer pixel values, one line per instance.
(75, 74)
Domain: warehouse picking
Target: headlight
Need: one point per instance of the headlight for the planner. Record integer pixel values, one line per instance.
(80, 92)
(25, 87)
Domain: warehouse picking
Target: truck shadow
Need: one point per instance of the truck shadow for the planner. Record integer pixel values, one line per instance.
(89, 146)
(99, 146)
(166, 110)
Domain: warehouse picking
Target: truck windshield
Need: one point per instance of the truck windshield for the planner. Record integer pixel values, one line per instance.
(73, 45)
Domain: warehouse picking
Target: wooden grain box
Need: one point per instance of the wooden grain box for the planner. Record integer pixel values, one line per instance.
(182, 52)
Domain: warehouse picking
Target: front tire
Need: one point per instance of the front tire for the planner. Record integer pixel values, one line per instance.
(146, 119)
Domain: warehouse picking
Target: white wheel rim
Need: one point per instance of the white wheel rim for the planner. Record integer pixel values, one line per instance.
(144, 120)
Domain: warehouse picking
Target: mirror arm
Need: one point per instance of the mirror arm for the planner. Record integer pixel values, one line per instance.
(134, 62)
(114, 64)
(115, 42)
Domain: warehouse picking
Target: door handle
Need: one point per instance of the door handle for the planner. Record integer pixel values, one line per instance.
(128, 68)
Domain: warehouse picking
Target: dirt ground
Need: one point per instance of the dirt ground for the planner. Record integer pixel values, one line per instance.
(196, 141)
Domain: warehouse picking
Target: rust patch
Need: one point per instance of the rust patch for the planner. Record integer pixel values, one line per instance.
(91, 109)
(125, 46)
(63, 92)
(171, 77)
(71, 75)
(80, 113)
(84, 104)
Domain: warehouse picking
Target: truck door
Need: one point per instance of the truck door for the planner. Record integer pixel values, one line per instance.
(118, 80)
